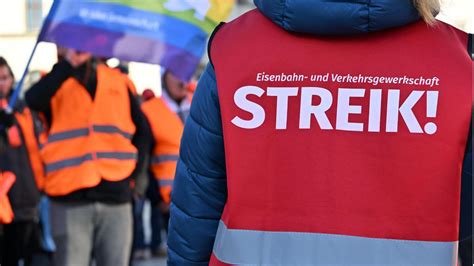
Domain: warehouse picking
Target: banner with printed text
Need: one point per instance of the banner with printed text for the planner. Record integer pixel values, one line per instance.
(171, 33)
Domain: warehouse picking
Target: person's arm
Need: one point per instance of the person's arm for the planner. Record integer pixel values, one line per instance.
(142, 141)
(200, 186)
(6, 119)
(38, 97)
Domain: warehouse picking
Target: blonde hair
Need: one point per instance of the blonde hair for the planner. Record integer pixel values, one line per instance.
(427, 9)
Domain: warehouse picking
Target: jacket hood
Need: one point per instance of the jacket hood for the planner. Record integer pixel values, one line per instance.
(338, 17)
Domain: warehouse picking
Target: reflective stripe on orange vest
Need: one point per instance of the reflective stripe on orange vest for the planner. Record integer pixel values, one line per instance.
(89, 140)
(165, 158)
(70, 134)
(166, 182)
(58, 165)
(167, 129)
(82, 132)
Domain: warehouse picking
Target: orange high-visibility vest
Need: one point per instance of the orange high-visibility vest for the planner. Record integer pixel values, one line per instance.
(89, 139)
(25, 120)
(6, 182)
(167, 130)
(130, 85)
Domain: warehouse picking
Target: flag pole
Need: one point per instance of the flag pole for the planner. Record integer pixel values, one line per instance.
(19, 85)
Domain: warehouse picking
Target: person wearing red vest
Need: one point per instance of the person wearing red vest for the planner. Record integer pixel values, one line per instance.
(97, 144)
(19, 156)
(343, 126)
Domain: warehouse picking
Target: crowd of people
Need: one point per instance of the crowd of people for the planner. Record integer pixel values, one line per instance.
(256, 171)
(79, 156)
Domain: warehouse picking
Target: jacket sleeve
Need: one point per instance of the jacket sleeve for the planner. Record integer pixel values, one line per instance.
(200, 185)
(38, 97)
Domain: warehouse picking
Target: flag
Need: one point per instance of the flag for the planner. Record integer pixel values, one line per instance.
(171, 33)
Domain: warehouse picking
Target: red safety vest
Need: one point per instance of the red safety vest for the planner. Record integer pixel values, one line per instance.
(341, 150)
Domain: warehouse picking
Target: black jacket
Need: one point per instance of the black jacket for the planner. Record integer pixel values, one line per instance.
(39, 98)
(24, 195)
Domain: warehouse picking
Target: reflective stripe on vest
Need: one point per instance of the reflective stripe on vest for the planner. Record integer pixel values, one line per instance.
(167, 129)
(69, 134)
(166, 182)
(334, 138)
(112, 130)
(55, 166)
(59, 165)
(82, 132)
(245, 247)
(165, 158)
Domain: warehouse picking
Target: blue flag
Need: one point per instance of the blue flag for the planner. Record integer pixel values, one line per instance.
(171, 33)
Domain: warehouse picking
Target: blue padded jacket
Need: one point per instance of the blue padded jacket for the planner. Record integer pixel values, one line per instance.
(200, 188)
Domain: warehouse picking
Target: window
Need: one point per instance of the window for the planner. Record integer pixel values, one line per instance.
(34, 15)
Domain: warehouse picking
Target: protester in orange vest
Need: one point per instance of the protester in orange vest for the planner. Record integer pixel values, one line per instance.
(141, 248)
(97, 144)
(166, 116)
(19, 154)
(326, 133)
(147, 94)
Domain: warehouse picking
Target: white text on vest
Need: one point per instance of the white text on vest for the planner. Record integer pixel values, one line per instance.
(395, 108)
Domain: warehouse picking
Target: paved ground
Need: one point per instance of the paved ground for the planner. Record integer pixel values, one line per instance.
(151, 262)
(43, 260)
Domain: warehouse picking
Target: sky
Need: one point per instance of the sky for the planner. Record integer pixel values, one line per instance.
(458, 13)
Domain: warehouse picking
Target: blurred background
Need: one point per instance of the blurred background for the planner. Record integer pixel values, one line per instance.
(20, 24)
(21, 20)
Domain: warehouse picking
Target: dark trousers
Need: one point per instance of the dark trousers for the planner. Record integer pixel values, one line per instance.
(20, 241)
(166, 220)
(465, 251)
(138, 231)
(156, 226)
